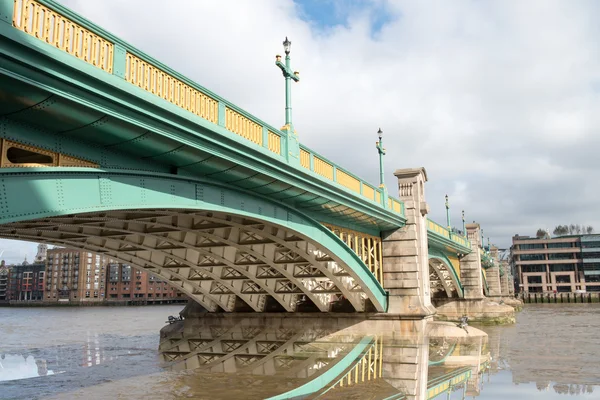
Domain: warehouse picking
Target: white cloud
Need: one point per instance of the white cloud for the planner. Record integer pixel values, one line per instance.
(497, 99)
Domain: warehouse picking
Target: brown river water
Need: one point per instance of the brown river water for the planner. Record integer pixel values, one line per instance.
(121, 353)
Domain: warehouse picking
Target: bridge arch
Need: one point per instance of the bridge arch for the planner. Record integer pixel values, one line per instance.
(442, 275)
(217, 244)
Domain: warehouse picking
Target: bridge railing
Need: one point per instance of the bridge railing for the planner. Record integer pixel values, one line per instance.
(75, 35)
(436, 228)
(321, 166)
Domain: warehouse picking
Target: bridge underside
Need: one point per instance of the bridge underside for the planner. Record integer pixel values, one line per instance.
(224, 262)
(443, 279)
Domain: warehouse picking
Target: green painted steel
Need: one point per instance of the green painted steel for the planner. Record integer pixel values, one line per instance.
(441, 255)
(58, 102)
(330, 375)
(452, 241)
(115, 114)
(33, 193)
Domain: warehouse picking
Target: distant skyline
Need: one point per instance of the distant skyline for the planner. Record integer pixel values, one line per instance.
(497, 100)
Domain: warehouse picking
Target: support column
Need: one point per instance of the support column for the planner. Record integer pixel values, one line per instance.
(405, 252)
(504, 290)
(470, 265)
(406, 363)
(493, 274)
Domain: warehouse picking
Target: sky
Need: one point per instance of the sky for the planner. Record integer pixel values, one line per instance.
(497, 99)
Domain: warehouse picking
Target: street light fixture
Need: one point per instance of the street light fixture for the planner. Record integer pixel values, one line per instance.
(381, 151)
(289, 75)
(448, 215)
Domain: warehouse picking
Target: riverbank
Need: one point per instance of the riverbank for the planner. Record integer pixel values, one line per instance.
(129, 303)
(559, 298)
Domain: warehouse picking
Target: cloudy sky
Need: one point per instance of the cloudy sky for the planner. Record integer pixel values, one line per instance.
(498, 100)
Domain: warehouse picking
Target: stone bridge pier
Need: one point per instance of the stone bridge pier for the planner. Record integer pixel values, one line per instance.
(405, 252)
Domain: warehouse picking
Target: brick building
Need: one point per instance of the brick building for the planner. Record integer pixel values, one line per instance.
(125, 283)
(25, 282)
(81, 276)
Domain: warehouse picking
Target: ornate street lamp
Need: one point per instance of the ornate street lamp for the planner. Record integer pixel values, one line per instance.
(289, 75)
(381, 151)
(448, 215)
(463, 220)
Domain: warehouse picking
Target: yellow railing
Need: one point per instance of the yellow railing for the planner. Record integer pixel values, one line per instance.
(323, 168)
(348, 181)
(39, 21)
(305, 158)
(368, 248)
(368, 367)
(437, 228)
(240, 125)
(153, 80)
(274, 142)
(369, 192)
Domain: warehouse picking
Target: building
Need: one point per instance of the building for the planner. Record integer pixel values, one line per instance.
(74, 275)
(81, 276)
(559, 264)
(25, 282)
(3, 281)
(127, 284)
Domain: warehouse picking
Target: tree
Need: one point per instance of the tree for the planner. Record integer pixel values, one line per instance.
(560, 230)
(572, 229)
(541, 233)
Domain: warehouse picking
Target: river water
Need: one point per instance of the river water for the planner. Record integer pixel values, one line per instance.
(118, 353)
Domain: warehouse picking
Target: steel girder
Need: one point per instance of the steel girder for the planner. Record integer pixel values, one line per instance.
(212, 257)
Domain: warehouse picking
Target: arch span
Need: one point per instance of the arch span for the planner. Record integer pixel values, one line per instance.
(442, 276)
(216, 244)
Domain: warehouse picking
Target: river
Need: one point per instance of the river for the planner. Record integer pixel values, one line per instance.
(118, 353)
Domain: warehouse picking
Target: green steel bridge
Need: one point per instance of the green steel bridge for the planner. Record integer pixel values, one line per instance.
(106, 149)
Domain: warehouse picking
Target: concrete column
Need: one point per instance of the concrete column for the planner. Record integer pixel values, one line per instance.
(405, 252)
(470, 265)
(493, 274)
(406, 362)
(504, 290)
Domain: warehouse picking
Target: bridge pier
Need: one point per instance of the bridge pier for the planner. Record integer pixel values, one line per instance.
(405, 362)
(405, 252)
(474, 304)
(493, 275)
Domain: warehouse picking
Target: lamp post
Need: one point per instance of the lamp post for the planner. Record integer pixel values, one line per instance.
(463, 221)
(289, 75)
(381, 150)
(448, 215)
(482, 243)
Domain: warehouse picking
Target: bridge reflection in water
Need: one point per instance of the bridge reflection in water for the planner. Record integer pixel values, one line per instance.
(311, 358)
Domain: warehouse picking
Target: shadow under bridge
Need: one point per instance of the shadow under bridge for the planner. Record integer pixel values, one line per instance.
(228, 249)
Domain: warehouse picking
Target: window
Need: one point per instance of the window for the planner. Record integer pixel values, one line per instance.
(588, 245)
(87, 294)
(559, 245)
(591, 255)
(534, 279)
(531, 246)
(532, 257)
(562, 267)
(533, 268)
(563, 279)
(561, 256)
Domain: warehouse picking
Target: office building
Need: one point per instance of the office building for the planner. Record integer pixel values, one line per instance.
(560, 264)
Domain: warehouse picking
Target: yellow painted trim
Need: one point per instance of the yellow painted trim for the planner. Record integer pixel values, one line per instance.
(44, 24)
(304, 158)
(348, 181)
(323, 168)
(154, 80)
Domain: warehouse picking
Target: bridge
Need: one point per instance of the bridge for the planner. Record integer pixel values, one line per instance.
(313, 358)
(106, 149)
